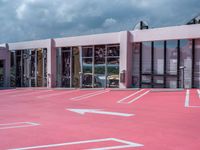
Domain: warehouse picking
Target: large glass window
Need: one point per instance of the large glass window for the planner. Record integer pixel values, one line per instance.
(146, 64)
(1, 73)
(186, 61)
(158, 57)
(87, 66)
(29, 68)
(197, 63)
(12, 69)
(100, 65)
(66, 67)
(19, 68)
(113, 53)
(146, 57)
(171, 64)
(136, 65)
(158, 64)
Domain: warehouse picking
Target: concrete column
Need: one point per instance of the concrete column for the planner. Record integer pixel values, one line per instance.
(7, 67)
(126, 58)
(51, 64)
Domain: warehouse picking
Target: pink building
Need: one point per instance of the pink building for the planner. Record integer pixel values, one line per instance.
(166, 57)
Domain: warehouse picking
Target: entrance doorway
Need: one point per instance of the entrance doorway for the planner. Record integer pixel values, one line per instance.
(68, 67)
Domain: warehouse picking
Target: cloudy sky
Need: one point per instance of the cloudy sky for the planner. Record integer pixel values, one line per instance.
(22, 20)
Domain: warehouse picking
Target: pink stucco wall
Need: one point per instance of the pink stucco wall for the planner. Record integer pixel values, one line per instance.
(97, 39)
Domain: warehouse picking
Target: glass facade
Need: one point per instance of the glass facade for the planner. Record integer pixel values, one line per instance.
(100, 66)
(68, 67)
(172, 68)
(156, 64)
(166, 64)
(196, 63)
(1, 73)
(113, 53)
(94, 66)
(87, 64)
(29, 68)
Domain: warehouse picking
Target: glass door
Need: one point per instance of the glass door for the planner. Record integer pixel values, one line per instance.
(66, 67)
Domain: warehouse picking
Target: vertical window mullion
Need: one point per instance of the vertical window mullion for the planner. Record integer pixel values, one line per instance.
(70, 67)
(140, 84)
(106, 62)
(193, 61)
(178, 64)
(93, 63)
(152, 64)
(165, 63)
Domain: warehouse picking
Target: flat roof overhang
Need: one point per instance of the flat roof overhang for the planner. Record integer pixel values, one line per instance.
(30, 44)
(96, 39)
(166, 33)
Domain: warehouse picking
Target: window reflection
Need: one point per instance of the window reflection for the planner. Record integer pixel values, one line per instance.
(113, 51)
(100, 55)
(197, 64)
(1, 73)
(159, 57)
(171, 62)
(66, 68)
(87, 61)
(146, 57)
(100, 63)
(87, 52)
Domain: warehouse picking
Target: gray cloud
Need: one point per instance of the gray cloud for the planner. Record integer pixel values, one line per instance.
(38, 19)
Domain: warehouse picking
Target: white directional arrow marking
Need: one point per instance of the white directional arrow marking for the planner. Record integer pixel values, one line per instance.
(97, 111)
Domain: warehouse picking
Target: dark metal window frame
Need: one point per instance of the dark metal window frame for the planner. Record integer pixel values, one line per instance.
(165, 74)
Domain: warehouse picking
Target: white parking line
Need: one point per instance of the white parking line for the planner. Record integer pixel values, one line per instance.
(17, 125)
(135, 99)
(30, 93)
(126, 144)
(121, 100)
(77, 97)
(91, 95)
(198, 91)
(187, 98)
(55, 94)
